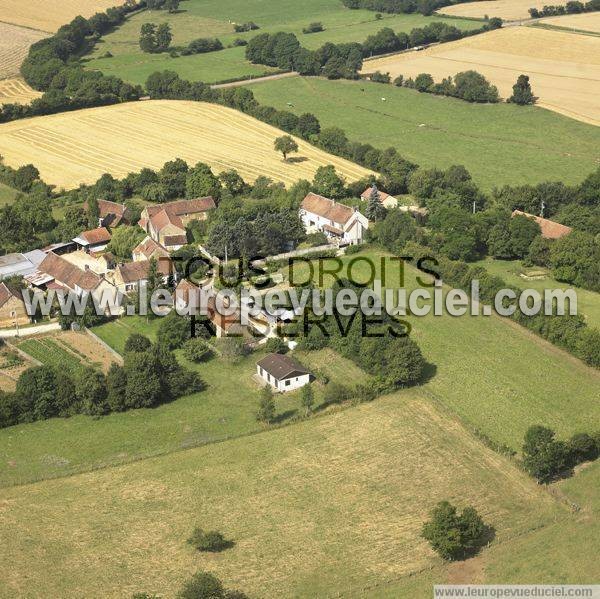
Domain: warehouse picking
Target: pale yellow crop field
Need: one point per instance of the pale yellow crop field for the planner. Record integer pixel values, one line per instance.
(49, 15)
(14, 45)
(77, 147)
(564, 68)
(508, 10)
(16, 91)
(589, 21)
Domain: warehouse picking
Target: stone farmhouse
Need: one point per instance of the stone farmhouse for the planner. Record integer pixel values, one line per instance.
(341, 224)
(165, 223)
(12, 307)
(386, 199)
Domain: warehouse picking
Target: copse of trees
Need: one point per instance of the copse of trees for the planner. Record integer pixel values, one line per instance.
(470, 86)
(202, 45)
(522, 92)
(546, 458)
(455, 536)
(150, 376)
(155, 38)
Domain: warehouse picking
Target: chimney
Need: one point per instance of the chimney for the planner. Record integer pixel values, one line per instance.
(86, 267)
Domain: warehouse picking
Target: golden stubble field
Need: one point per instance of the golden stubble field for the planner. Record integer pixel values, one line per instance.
(14, 45)
(49, 15)
(564, 68)
(335, 503)
(589, 21)
(508, 10)
(16, 91)
(77, 147)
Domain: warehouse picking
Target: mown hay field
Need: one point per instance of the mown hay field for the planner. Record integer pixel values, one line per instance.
(508, 10)
(589, 21)
(16, 91)
(77, 147)
(331, 504)
(14, 46)
(49, 15)
(564, 68)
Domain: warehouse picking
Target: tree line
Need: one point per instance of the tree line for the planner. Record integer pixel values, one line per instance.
(344, 61)
(572, 7)
(424, 7)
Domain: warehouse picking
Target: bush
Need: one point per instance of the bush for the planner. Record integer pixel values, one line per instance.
(314, 28)
(202, 586)
(211, 541)
(379, 77)
(196, 350)
(336, 393)
(137, 343)
(276, 345)
(455, 536)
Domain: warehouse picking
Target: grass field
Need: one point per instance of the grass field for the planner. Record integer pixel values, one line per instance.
(508, 10)
(129, 137)
(495, 375)
(588, 302)
(563, 67)
(14, 45)
(7, 194)
(16, 91)
(332, 504)
(225, 409)
(499, 144)
(199, 18)
(49, 16)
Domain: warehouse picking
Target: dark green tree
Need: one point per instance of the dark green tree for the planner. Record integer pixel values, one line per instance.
(266, 406)
(522, 93)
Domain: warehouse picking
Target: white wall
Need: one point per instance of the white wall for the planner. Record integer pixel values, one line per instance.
(294, 383)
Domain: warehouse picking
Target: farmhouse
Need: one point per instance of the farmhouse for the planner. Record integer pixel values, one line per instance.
(385, 198)
(95, 240)
(60, 273)
(128, 276)
(148, 249)
(12, 307)
(112, 214)
(550, 229)
(283, 373)
(166, 223)
(339, 222)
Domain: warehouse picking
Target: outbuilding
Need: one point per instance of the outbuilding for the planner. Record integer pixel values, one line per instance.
(282, 372)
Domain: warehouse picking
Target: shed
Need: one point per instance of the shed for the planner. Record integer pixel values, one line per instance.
(282, 372)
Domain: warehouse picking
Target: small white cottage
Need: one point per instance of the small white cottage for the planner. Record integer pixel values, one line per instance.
(283, 373)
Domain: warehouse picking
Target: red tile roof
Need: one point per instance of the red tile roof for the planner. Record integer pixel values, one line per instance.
(133, 272)
(183, 207)
(326, 208)
(550, 229)
(148, 247)
(68, 274)
(171, 240)
(366, 194)
(96, 236)
(163, 218)
(6, 293)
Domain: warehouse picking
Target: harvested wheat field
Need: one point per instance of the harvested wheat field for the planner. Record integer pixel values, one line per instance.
(16, 91)
(508, 10)
(334, 502)
(14, 45)
(564, 68)
(589, 21)
(77, 147)
(49, 15)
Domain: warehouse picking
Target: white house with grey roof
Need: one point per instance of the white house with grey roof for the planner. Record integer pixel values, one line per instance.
(282, 372)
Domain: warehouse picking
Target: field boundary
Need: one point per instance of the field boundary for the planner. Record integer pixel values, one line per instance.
(105, 345)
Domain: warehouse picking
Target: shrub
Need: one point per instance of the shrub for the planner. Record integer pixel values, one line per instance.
(196, 350)
(202, 586)
(454, 536)
(137, 343)
(314, 28)
(336, 393)
(266, 406)
(212, 540)
(276, 345)
(379, 77)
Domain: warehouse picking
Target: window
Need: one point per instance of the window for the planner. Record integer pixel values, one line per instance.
(287, 383)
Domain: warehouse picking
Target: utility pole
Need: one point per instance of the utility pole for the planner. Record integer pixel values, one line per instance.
(474, 206)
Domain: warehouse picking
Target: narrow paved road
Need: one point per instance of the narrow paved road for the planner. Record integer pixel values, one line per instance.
(257, 80)
(26, 331)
